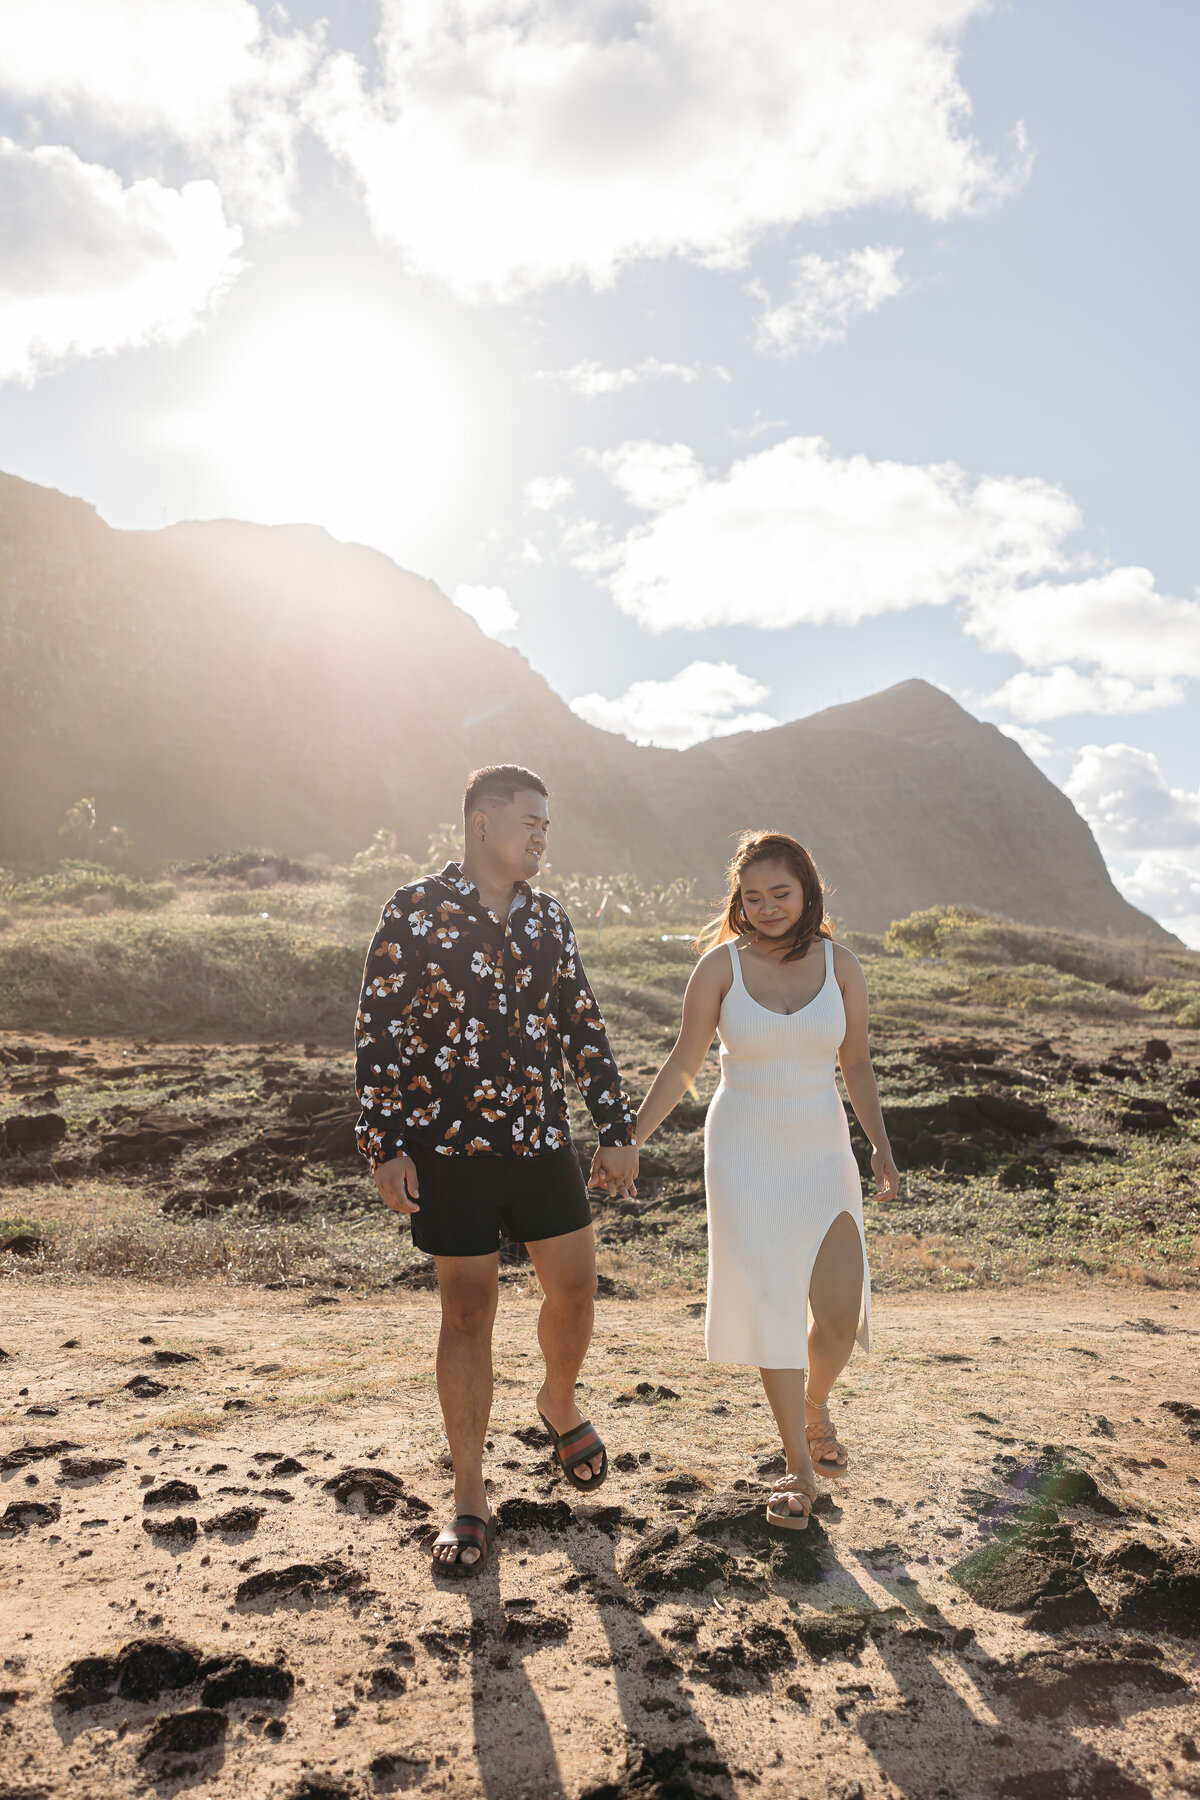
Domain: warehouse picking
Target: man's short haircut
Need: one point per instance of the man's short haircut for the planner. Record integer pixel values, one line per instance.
(500, 782)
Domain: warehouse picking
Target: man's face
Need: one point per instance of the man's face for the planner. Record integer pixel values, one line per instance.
(516, 835)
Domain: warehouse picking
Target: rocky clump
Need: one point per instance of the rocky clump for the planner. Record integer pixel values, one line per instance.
(19, 1515)
(239, 1519)
(667, 1563)
(240, 1678)
(1037, 1568)
(1083, 1678)
(180, 1529)
(752, 1655)
(171, 1493)
(1188, 1416)
(145, 1668)
(144, 1387)
(179, 1734)
(523, 1624)
(24, 1454)
(375, 1490)
(1157, 1586)
(26, 1133)
(667, 1774)
(89, 1468)
(306, 1579)
(840, 1635)
(519, 1514)
(741, 1516)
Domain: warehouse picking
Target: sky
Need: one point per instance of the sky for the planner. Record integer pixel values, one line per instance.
(731, 362)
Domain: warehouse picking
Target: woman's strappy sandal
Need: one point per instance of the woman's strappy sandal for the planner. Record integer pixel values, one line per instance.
(574, 1448)
(823, 1445)
(784, 1491)
(468, 1532)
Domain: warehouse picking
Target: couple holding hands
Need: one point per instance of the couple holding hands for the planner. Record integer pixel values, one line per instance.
(474, 997)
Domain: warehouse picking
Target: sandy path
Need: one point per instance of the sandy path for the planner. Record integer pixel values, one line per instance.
(547, 1674)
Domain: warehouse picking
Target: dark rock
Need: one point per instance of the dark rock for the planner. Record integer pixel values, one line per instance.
(681, 1483)
(520, 1514)
(1187, 1414)
(171, 1493)
(1082, 1677)
(139, 1671)
(1157, 1050)
(1145, 1116)
(41, 1411)
(21, 1243)
(626, 1463)
(321, 1787)
(180, 1733)
(89, 1468)
(660, 1775)
(397, 1762)
(237, 1519)
(754, 1655)
(30, 1453)
(386, 1683)
(167, 1358)
(25, 1133)
(180, 1528)
(1035, 1569)
(531, 1627)
(19, 1515)
(666, 1564)
(378, 1489)
(306, 1579)
(836, 1634)
(237, 1677)
(144, 1387)
(287, 1465)
(1158, 1586)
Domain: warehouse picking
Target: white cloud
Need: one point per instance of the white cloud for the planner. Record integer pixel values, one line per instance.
(1168, 888)
(592, 379)
(545, 492)
(828, 292)
(1121, 792)
(1116, 621)
(510, 144)
(1038, 746)
(1060, 691)
(702, 701)
(490, 607)
(796, 534)
(205, 74)
(89, 266)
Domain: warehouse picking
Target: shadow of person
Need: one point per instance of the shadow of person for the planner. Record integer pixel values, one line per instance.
(511, 1740)
(668, 1747)
(934, 1743)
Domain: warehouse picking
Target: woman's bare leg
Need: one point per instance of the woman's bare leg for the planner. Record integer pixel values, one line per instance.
(835, 1296)
(784, 1389)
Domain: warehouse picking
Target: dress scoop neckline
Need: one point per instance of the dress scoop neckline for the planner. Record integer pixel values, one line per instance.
(736, 951)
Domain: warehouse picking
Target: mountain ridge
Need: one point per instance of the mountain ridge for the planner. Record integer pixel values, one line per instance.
(220, 682)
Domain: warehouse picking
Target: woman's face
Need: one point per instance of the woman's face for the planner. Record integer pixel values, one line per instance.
(773, 898)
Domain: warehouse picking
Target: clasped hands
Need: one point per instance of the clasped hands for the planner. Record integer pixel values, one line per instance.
(613, 1168)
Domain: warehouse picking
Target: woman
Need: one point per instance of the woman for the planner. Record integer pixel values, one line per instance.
(785, 1231)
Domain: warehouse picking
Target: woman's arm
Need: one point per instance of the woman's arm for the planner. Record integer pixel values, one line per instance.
(701, 1009)
(854, 1059)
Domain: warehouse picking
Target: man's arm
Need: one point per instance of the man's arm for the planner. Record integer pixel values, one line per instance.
(387, 987)
(589, 1056)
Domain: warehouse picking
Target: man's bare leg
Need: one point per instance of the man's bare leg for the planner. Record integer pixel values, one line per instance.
(566, 1268)
(469, 1288)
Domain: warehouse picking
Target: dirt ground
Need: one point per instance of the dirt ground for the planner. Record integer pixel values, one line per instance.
(596, 1655)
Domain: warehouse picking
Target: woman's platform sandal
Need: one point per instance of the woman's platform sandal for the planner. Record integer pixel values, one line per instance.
(823, 1446)
(579, 1445)
(779, 1509)
(468, 1532)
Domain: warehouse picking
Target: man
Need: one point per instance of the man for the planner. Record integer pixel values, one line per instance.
(473, 994)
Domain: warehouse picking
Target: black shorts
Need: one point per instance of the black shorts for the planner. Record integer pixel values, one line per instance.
(468, 1203)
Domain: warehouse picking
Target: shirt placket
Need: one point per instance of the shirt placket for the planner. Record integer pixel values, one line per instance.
(510, 961)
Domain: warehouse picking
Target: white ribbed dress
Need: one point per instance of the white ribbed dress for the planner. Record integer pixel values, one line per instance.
(778, 1169)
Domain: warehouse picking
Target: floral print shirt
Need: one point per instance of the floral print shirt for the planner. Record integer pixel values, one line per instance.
(464, 1022)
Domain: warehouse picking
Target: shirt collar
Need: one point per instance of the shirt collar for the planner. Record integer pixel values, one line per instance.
(453, 876)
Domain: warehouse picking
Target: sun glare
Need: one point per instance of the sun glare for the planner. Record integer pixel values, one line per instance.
(336, 416)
